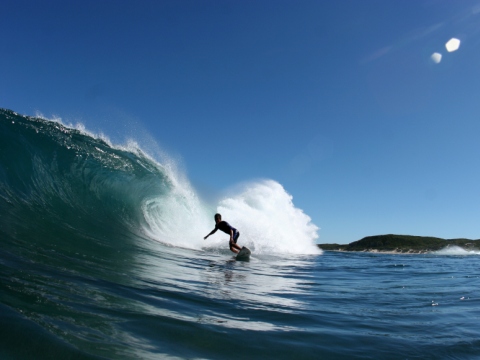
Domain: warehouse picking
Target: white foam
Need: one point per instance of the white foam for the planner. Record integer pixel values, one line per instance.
(268, 221)
(262, 211)
(456, 250)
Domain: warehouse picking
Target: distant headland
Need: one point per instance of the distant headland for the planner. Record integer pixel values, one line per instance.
(405, 244)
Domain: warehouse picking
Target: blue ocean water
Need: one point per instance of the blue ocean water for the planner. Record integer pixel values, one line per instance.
(95, 262)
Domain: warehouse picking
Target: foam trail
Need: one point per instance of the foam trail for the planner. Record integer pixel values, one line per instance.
(456, 250)
(268, 220)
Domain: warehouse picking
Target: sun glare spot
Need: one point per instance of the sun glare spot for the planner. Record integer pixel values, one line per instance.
(436, 58)
(452, 45)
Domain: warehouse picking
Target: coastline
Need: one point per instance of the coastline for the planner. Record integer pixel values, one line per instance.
(402, 244)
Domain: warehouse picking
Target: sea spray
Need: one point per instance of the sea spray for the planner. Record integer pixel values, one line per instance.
(262, 211)
(268, 220)
(456, 251)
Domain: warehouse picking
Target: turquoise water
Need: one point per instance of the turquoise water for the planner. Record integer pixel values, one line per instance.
(92, 265)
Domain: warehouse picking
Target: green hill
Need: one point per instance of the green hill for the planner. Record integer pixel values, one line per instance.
(402, 244)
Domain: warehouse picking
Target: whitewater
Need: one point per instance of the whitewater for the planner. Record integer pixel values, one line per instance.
(102, 256)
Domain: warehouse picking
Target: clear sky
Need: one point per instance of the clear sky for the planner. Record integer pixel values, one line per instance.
(339, 101)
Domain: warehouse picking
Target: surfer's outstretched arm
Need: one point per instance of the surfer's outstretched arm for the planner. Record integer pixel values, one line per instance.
(211, 233)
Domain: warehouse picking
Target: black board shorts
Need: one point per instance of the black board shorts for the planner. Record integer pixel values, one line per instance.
(236, 236)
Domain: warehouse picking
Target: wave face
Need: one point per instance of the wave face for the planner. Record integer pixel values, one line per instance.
(59, 182)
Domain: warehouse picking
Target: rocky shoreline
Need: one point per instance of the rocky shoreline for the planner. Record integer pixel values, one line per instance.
(402, 244)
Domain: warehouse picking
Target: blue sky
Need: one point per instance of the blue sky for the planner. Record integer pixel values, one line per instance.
(339, 101)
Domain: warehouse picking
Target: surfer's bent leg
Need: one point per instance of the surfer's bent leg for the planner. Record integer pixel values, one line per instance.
(233, 244)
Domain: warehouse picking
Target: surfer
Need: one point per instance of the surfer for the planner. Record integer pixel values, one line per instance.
(228, 229)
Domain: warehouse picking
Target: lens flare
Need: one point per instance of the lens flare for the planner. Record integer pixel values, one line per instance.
(452, 45)
(436, 57)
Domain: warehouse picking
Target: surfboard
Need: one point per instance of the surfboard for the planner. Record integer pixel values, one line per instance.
(243, 254)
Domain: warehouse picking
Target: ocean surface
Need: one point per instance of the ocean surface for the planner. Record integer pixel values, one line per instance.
(102, 256)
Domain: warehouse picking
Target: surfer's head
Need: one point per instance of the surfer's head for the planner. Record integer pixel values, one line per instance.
(218, 217)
